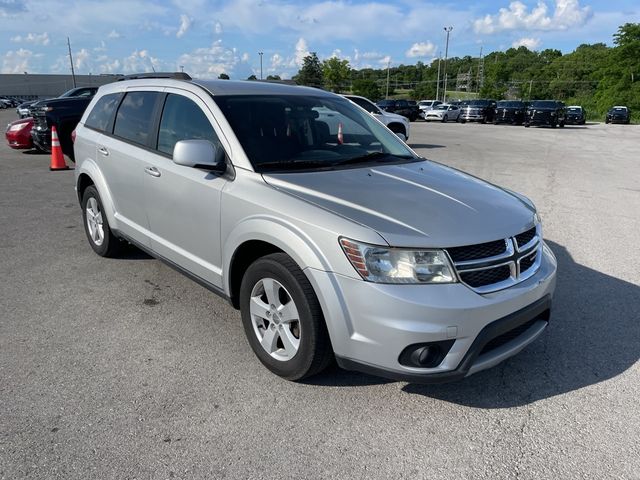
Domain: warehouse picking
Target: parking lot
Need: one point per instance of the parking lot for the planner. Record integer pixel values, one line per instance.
(124, 368)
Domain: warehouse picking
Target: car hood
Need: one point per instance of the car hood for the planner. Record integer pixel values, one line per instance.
(420, 204)
(394, 116)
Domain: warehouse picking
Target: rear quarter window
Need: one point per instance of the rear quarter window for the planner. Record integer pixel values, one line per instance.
(102, 112)
(134, 117)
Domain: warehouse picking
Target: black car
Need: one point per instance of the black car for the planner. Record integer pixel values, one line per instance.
(510, 111)
(64, 113)
(480, 110)
(575, 115)
(545, 112)
(400, 107)
(618, 114)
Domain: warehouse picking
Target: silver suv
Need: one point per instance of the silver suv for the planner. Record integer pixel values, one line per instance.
(328, 233)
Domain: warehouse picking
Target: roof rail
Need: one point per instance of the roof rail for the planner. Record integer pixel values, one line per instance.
(174, 75)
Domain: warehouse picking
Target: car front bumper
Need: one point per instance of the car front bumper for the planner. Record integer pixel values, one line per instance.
(371, 324)
(41, 138)
(472, 117)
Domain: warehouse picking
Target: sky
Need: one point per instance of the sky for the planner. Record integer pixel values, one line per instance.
(209, 37)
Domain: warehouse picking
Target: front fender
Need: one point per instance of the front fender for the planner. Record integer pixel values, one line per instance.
(279, 232)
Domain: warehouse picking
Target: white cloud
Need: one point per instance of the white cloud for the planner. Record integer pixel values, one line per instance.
(421, 49)
(302, 50)
(567, 13)
(34, 38)
(17, 61)
(209, 62)
(245, 57)
(185, 24)
(217, 28)
(113, 34)
(529, 42)
(81, 58)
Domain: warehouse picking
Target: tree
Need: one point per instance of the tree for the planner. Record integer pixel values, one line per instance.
(223, 76)
(366, 88)
(252, 77)
(311, 72)
(273, 77)
(336, 73)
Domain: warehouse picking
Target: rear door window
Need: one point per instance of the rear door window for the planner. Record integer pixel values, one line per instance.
(135, 117)
(182, 119)
(102, 112)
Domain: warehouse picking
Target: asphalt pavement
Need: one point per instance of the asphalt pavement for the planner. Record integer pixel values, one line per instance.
(125, 369)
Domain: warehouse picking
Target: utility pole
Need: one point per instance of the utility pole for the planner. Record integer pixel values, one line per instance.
(73, 73)
(260, 53)
(446, 54)
(438, 84)
(387, 94)
(480, 79)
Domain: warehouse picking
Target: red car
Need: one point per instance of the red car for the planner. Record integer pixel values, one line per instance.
(19, 133)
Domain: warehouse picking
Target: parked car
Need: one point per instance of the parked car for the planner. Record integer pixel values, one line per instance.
(618, 114)
(575, 115)
(481, 110)
(23, 109)
(510, 111)
(64, 113)
(545, 112)
(18, 133)
(425, 105)
(6, 103)
(396, 123)
(347, 245)
(400, 107)
(442, 113)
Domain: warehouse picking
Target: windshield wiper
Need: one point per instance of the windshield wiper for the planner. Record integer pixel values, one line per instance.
(371, 156)
(293, 165)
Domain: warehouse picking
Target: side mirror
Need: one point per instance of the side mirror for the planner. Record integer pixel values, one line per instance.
(200, 154)
(401, 136)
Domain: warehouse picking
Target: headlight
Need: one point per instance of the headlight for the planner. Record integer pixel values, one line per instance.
(398, 265)
(19, 126)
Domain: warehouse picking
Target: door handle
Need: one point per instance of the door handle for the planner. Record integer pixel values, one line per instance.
(103, 151)
(153, 171)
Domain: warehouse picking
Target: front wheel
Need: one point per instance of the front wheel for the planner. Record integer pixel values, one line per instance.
(444, 119)
(282, 318)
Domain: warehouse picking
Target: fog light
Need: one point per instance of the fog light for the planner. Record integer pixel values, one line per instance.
(425, 355)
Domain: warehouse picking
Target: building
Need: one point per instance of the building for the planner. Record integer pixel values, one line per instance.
(35, 86)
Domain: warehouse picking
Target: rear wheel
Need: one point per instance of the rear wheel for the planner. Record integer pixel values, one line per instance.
(96, 225)
(282, 318)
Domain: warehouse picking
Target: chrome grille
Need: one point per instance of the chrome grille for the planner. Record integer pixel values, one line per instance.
(492, 266)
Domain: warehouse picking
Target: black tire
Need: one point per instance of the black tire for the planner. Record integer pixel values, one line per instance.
(561, 125)
(484, 120)
(463, 120)
(527, 124)
(444, 119)
(396, 128)
(111, 245)
(606, 120)
(314, 352)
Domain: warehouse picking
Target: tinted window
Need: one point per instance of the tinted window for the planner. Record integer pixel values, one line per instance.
(135, 115)
(182, 119)
(102, 111)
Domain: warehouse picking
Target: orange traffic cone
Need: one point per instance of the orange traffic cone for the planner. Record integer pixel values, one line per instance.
(57, 158)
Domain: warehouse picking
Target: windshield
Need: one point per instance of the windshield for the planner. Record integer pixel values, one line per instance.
(544, 104)
(619, 109)
(441, 107)
(295, 132)
(512, 104)
(575, 109)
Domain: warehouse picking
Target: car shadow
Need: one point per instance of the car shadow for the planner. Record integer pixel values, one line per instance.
(35, 151)
(593, 336)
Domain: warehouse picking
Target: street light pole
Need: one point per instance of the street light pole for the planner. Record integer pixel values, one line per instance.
(388, 64)
(73, 73)
(260, 53)
(438, 84)
(446, 54)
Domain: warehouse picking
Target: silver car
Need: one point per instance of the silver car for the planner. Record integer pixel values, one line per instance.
(442, 113)
(331, 242)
